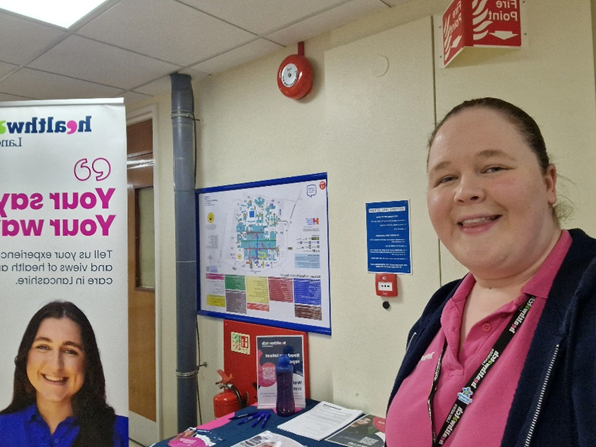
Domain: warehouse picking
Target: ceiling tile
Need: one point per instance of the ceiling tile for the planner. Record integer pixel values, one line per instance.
(22, 40)
(263, 16)
(7, 97)
(165, 29)
(194, 74)
(129, 47)
(93, 61)
(237, 56)
(133, 97)
(40, 85)
(326, 21)
(157, 87)
(397, 2)
(6, 68)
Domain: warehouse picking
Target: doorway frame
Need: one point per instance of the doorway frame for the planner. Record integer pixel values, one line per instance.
(133, 117)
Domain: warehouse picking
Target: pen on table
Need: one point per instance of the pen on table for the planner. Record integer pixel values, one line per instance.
(265, 419)
(249, 418)
(259, 419)
(240, 416)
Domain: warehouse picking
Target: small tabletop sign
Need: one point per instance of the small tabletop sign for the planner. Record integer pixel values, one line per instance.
(480, 23)
(269, 348)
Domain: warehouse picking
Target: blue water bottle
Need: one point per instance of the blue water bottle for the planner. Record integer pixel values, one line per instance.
(284, 372)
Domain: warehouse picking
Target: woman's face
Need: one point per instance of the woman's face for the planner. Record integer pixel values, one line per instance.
(488, 200)
(56, 361)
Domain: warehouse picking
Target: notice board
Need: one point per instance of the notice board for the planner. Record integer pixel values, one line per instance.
(388, 237)
(264, 253)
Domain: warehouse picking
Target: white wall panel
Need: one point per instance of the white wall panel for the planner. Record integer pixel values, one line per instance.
(379, 110)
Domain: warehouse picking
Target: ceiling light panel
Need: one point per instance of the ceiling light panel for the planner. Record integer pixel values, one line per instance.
(62, 13)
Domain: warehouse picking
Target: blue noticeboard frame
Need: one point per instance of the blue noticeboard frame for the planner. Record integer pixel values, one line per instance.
(263, 253)
(388, 237)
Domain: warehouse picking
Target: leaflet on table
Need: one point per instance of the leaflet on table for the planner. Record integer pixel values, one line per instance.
(268, 439)
(322, 421)
(269, 348)
(195, 437)
(367, 431)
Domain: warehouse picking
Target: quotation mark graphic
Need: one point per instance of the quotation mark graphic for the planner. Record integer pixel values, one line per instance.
(100, 166)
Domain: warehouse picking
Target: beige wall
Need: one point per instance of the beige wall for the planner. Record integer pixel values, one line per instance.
(372, 151)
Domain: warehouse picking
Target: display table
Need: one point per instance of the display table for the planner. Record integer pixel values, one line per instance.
(232, 433)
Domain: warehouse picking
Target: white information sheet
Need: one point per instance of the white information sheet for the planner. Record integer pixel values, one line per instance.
(320, 422)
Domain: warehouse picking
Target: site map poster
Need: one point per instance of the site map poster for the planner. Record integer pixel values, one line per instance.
(264, 253)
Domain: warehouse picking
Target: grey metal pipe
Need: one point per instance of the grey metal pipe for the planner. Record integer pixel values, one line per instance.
(186, 257)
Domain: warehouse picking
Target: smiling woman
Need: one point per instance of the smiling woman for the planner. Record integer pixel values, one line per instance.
(59, 394)
(489, 200)
(55, 368)
(505, 356)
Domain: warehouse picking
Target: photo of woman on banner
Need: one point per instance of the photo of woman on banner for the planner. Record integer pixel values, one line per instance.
(59, 392)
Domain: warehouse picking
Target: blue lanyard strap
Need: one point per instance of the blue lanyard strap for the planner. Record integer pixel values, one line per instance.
(464, 398)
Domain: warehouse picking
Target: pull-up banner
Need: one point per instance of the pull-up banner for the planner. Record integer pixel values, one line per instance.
(63, 226)
(480, 23)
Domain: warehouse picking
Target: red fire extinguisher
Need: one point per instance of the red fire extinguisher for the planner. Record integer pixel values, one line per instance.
(229, 400)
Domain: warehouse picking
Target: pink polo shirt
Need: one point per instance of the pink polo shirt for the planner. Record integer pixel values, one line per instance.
(483, 423)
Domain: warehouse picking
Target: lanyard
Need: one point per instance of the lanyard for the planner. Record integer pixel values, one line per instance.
(464, 398)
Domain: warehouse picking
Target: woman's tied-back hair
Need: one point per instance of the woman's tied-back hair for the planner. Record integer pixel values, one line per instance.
(95, 417)
(524, 123)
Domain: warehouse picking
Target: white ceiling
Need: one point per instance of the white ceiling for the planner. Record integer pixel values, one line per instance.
(128, 48)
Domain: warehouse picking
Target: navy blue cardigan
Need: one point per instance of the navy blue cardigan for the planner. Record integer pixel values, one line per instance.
(555, 402)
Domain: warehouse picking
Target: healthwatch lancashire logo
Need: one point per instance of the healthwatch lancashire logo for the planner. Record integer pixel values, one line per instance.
(45, 125)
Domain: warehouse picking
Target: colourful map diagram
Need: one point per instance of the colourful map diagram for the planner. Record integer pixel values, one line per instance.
(264, 252)
(260, 233)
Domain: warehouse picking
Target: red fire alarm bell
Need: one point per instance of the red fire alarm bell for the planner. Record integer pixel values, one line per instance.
(386, 284)
(295, 74)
